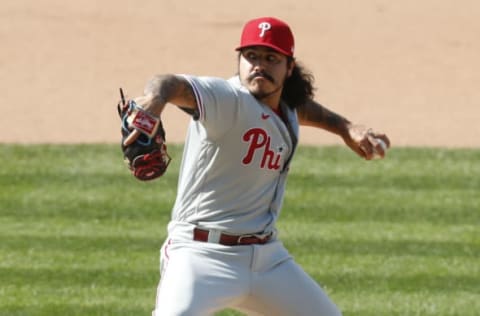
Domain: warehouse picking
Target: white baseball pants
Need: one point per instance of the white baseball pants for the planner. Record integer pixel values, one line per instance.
(201, 278)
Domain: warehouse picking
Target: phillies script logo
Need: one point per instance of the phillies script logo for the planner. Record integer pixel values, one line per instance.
(259, 142)
(264, 26)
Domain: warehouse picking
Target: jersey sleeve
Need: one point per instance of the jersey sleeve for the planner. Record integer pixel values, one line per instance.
(217, 102)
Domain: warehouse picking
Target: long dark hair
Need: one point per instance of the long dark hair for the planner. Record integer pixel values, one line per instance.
(298, 88)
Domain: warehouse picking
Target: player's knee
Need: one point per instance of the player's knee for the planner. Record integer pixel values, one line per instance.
(335, 311)
(177, 312)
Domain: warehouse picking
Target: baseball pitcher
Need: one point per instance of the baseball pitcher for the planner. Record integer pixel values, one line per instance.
(223, 248)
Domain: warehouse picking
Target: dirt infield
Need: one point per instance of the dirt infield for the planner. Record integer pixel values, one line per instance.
(410, 68)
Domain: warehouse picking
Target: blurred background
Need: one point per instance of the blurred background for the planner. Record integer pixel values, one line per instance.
(409, 68)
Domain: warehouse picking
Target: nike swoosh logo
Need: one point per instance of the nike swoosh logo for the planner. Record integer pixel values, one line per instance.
(265, 116)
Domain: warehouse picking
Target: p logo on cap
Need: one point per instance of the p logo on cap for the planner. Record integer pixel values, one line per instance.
(264, 26)
(269, 32)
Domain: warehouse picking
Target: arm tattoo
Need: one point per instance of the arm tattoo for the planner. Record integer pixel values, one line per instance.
(163, 87)
(314, 114)
(186, 92)
(171, 88)
(332, 119)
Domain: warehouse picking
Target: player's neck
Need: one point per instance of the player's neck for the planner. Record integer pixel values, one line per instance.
(278, 111)
(272, 100)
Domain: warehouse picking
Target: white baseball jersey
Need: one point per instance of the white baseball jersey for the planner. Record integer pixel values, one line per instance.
(232, 180)
(235, 161)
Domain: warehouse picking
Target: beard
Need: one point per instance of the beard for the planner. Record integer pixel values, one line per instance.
(264, 94)
(260, 93)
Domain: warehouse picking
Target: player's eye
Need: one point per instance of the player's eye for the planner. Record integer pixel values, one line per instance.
(251, 56)
(272, 59)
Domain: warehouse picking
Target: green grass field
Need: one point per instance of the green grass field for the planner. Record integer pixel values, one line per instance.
(80, 236)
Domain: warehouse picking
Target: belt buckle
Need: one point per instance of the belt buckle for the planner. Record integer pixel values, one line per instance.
(239, 239)
(261, 237)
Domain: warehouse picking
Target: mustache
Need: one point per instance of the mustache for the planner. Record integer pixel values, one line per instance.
(261, 74)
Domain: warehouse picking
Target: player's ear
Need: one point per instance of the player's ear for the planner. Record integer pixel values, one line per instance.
(290, 66)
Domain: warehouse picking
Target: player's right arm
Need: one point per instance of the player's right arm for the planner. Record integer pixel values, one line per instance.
(163, 89)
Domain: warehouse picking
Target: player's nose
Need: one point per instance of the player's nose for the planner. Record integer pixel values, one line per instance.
(258, 67)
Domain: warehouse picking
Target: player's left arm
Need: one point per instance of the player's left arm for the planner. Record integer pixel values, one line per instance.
(362, 140)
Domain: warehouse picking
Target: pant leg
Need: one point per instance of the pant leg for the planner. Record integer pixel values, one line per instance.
(201, 278)
(284, 289)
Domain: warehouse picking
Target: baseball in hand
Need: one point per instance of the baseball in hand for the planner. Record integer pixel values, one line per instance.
(382, 144)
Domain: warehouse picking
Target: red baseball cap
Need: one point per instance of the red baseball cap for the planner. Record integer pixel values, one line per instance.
(270, 32)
